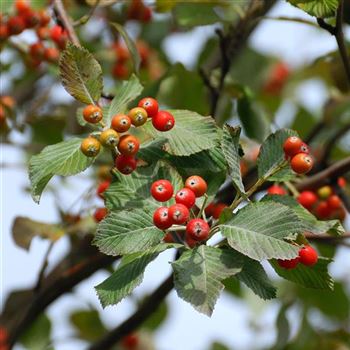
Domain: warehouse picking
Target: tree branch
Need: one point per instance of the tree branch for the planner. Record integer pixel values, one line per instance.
(149, 306)
(326, 176)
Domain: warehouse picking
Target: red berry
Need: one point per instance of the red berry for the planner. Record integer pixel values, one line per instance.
(161, 218)
(146, 15)
(102, 187)
(302, 163)
(37, 50)
(341, 182)
(168, 238)
(120, 70)
(308, 256)
(162, 190)
(16, 25)
(218, 208)
(31, 18)
(275, 189)
(163, 121)
(22, 6)
(128, 145)
(191, 242)
(130, 341)
(51, 54)
(150, 105)
(125, 164)
(334, 202)
(198, 229)
(59, 36)
(44, 18)
(100, 214)
(292, 146)
(186, 197)
(4, 32)
(178, 214)
(209, 209)
(43, 33)
(92, 114)
(307, 199)
(288, 264)
(323, 210)
(121, 123)
(197, 184)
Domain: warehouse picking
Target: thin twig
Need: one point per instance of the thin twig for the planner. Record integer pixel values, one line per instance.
(43, 267)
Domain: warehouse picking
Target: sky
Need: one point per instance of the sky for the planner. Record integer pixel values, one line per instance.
(232, 319)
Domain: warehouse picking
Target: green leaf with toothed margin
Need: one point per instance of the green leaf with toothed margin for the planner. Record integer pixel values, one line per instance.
(191, 133)
(81, 74)
(317, 8)
(198, 275)
(64, 158)
(258, 231)
(127, 231)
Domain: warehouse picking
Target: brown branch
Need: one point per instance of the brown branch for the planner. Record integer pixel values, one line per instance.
(338, 33)
(148, 307)
(326, 176)
(78, 265)
(61, 11)
(43, 267)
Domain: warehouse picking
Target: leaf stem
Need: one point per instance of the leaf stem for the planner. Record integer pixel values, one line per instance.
(201, 211)
(292, 188)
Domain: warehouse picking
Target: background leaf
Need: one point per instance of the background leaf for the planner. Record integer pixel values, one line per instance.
(81, 74)
(198, 275)
(258, 230)
(25, 229)
(130, 45)
(317, 8)
(64, 158)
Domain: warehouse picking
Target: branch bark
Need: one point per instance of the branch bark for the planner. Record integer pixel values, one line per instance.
(149, 306)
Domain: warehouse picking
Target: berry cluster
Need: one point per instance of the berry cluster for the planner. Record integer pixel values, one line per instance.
(127, 145)
(122, 67)
(298, 153)
(197, 230)
(324, 203)
(28, 18)
(307, 256)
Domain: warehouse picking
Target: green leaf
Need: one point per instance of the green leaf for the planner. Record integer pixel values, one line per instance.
(255, 125)
(258, 231)
(152, 151)
(37, 336)
(195, 14)
(254, 277)
(81, 74)
(130, 45)
(192, 133)
(127, 276)
(218, 346)
(126, 93)
(25, 229)
(283, 328)
(88, 324)
(198, 275)
(126, 232)
(271, 157)
(48, 130)
(308, 276)
(308, 222)
(64, 158)
(317, 8)
(230, 149)
(133, 191)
